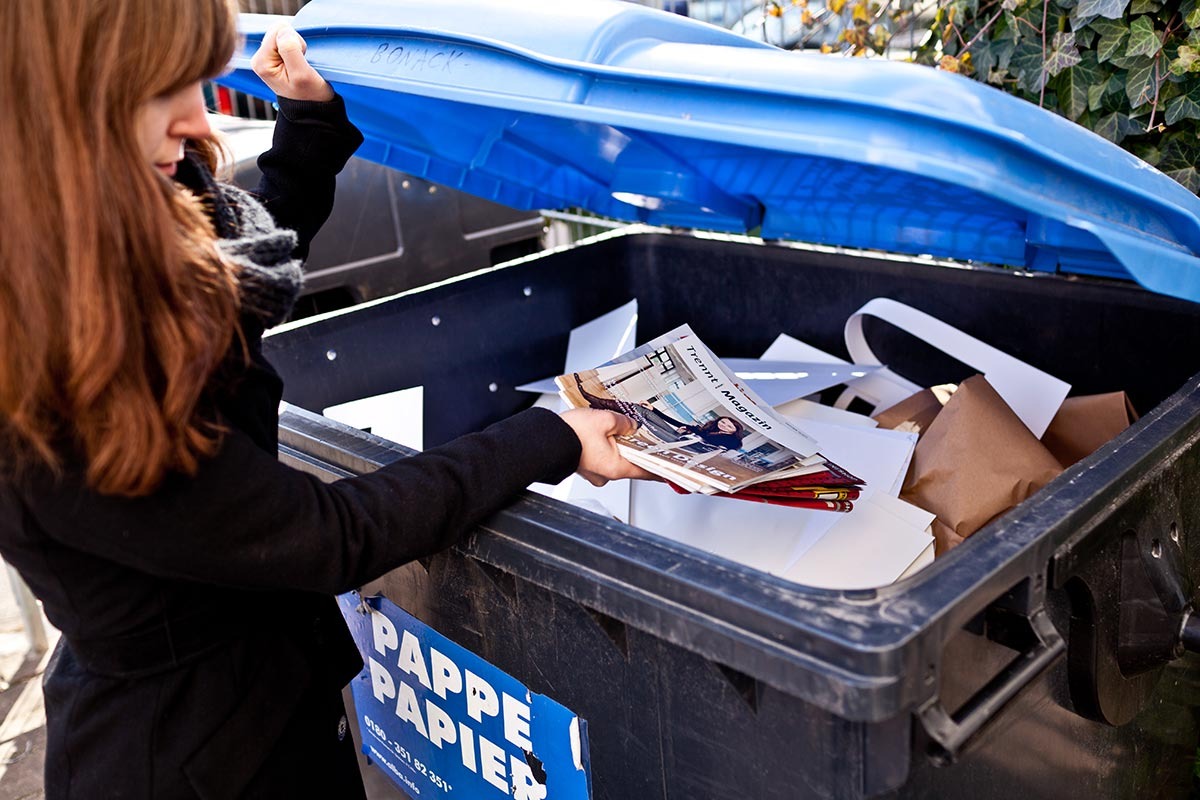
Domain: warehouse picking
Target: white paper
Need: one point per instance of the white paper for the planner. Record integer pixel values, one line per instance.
(879, 456)
(592, 343)
(551, 402)
(922, 561)
(596, 342)
(396, 416)
(801, 410)
(869, 547)
(1033, 395)
(759, 535)
(609, 500)
(777, 381)
(789, 348)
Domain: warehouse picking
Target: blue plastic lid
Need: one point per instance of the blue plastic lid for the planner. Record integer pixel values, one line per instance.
(643, 115)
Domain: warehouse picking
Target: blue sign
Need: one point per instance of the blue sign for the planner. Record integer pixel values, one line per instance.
(442, 722)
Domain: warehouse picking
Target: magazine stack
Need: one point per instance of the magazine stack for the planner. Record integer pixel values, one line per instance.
(703, 430)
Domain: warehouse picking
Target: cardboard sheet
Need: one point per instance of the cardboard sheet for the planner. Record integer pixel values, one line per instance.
(868, 386)
(922, 561)
(801, 410)
(789, 348)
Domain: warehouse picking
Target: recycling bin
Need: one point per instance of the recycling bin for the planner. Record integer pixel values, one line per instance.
(1046, 657)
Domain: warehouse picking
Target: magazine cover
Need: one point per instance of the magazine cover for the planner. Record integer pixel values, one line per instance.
(697, 426)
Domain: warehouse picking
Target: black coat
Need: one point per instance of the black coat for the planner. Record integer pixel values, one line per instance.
(202, 653)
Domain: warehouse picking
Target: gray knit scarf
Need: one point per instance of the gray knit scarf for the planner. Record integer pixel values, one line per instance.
(269, 277)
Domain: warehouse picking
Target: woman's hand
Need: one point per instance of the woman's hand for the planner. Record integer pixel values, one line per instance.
(601, 462)
(281, 64)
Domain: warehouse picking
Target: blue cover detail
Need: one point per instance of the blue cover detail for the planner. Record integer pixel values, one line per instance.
(649, 116)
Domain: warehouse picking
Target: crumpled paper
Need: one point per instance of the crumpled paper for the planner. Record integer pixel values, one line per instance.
(915, 413)
(975, 461)
(1084, 424)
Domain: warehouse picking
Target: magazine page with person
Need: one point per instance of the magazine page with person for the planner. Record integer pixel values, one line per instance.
(698, 427)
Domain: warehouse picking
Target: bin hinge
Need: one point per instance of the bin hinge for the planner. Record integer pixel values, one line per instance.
(949, 733)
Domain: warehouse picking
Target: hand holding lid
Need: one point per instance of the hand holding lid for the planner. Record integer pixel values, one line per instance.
(281, 64)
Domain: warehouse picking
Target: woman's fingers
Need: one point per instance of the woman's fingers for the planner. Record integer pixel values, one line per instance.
(601, 461)
(280, 62)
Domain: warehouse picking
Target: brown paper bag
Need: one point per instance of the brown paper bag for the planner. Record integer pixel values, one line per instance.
(1083, 424)
(916, 412)
(975, 461)
(913, 414)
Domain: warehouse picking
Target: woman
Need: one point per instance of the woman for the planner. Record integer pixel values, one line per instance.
(141, 498)
(719, 432)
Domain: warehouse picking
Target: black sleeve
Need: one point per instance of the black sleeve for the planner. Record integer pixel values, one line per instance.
(247, 520)
(311, 144)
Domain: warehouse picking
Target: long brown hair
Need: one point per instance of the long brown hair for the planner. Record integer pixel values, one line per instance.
(115, 307)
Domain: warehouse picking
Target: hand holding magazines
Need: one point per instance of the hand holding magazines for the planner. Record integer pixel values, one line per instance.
(703, 430)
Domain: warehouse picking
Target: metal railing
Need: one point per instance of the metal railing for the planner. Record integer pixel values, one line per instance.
(271, 6)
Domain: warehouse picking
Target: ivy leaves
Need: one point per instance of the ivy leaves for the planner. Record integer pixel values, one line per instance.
(1112, 38)
(1141, 82)
(1143, 39)
(1110, 9)
(1127, 69)
(1185, 106)
(1081, 88)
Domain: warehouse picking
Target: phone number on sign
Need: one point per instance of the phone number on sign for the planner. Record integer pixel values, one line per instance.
(408, 758)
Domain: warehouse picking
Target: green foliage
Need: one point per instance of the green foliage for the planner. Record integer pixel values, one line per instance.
(1127, 69)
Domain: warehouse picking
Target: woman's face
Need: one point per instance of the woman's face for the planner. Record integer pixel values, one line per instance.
(165, 122)
(726, 425)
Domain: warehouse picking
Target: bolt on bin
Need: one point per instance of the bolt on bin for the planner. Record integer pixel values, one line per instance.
(1045, 657)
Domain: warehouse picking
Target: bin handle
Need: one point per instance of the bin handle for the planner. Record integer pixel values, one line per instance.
(950, 733)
